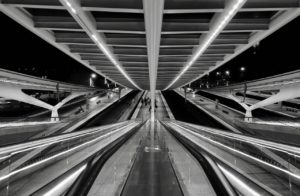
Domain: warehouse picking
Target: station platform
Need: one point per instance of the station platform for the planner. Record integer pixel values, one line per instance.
(143, 157)
(150, 98)
(35, 127)
(234, 120)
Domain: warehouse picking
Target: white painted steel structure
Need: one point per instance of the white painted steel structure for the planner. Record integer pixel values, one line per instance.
(152, 44)
(282, 87)
(12, 85)
(273, 83)
(24, 81)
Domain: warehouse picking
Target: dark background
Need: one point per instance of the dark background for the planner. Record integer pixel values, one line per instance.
(276, 54)
(24, 52)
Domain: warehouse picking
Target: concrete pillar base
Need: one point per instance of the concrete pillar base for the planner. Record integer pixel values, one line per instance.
(54, 116)
(248, 116)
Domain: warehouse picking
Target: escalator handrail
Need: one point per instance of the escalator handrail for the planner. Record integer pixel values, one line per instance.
(216, 178)
(15, 148)
(218, 161)
(220, 175)
(242, 138)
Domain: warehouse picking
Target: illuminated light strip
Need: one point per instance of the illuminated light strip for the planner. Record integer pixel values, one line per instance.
(290, 124)
(65, 183)
(240, 183)
(230, 12)
(71, 7)
(35, 144)
(251, 142)
(5, 157)
(60, 154)
(241, 153)
(246, 140)
(92, 32)
(113, 60)
(15, 124)
(55, 140)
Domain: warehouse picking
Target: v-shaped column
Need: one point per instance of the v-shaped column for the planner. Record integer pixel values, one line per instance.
(153, 16)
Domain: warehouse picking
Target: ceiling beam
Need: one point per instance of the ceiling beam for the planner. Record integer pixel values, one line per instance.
(275, 24)
(88, 24)
(26, 21)
(153, 16)
(103, 7)
(217, 26)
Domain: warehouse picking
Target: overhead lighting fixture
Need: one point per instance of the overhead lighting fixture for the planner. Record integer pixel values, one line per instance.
(93, 75)
(216, 30)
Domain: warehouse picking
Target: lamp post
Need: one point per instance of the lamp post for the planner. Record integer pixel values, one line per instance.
(243, 70)
(227, 75)
(218, 74)
(93, 76)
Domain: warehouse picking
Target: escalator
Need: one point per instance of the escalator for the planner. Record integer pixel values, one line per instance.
(75, 163)
(152, 171)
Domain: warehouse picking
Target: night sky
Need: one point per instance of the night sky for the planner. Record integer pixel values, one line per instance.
(276, 54)
(24, 52)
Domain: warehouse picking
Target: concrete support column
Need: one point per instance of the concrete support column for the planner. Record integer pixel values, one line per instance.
(244, 105)
(248, 116)
(54, 115)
